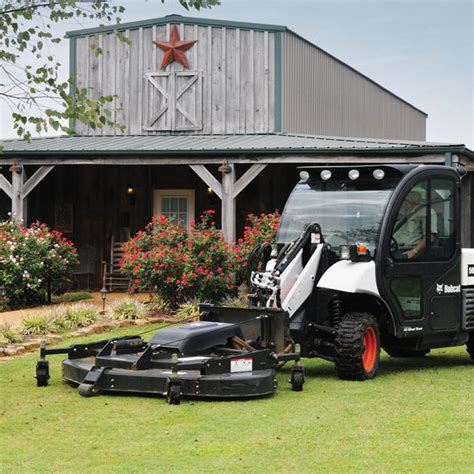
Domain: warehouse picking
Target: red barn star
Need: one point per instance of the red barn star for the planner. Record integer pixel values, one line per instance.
(174, 49)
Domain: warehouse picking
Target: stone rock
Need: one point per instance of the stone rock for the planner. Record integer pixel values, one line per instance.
(14, 350)
(141, 322)
(10, 351)
(157, 318)
(125, 323)
(31, 345)
(86, 331)
(101, 327)
(52, 338)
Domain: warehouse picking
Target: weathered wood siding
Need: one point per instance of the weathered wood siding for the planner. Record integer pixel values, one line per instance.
(323, 96)
(233, 71)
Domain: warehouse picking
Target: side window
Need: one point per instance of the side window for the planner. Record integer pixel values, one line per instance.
(409, 239)
(442, 205)
(424, 226)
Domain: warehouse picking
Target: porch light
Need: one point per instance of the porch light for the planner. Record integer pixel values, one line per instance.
(325, 175)
(304, 176)
(353, 174)
(131, 195)
(209, 190)
(103, 295)
(378, 174)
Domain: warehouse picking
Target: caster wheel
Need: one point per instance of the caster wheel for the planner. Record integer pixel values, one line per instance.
(86, 390)
(42, 373)
(297, 380)
(173, 397)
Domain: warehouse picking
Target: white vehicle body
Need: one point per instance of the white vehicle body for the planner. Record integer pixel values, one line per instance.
(295, 285)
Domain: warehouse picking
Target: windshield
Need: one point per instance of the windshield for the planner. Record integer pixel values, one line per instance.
(348, 212)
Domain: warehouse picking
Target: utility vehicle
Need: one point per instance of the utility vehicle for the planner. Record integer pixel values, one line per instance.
(367, 257)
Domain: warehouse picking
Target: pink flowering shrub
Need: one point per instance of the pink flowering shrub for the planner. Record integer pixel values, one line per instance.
(198, 264)
(30, 258)
(179, 264)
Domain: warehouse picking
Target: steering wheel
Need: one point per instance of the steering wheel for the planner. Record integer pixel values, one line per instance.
(393, 245)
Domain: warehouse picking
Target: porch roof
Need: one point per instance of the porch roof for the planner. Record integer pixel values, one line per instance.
(194, 144)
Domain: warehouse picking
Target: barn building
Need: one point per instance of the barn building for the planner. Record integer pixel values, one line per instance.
(217, 114)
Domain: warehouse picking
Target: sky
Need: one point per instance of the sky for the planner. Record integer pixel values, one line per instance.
(421, 50)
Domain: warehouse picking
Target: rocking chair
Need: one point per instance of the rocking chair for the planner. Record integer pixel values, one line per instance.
(113, 279)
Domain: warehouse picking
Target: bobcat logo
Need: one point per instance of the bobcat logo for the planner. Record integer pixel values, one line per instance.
(447, 289)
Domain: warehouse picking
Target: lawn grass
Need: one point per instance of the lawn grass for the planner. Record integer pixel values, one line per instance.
(72, 297)
(417, 416)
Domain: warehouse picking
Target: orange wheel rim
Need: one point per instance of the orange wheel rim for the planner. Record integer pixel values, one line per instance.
(370, 349)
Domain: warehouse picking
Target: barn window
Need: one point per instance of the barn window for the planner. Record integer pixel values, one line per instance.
(176, 204)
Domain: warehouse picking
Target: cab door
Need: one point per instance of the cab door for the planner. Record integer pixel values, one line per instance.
(419, 253)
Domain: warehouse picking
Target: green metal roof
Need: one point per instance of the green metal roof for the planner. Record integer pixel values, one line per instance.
(186, 20)
(193, 144)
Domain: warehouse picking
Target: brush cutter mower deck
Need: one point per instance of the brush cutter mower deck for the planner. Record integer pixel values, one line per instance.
(208, 358)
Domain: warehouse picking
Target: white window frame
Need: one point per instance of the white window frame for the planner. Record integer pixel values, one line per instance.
(188, 193)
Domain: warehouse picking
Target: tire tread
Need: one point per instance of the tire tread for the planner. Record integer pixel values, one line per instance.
(350, 346)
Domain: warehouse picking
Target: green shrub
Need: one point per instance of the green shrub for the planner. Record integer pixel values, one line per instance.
(58, 322)
(188, 310)
(72, 297)
(181, 264)
(30, 257)
(9, 334)
(158, 303)
(60, 319)
(80, 315)
(36, 324)
(234, 303)
(128, 309)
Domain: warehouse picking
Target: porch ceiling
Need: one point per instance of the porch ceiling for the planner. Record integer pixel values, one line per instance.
(194, 146)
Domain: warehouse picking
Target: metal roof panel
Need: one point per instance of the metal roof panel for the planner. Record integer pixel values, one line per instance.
(200, 144)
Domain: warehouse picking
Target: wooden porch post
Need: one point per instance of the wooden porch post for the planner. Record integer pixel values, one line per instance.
(17, 192)
(20, 187)
(228, 202)
(228, 190)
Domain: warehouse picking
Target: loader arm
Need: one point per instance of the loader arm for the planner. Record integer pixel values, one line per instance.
(292, 279)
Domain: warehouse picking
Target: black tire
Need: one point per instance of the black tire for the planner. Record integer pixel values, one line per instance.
(173, 397)
(353, 362)
(42, 373)
(470, 345)
(42, 378)
(297, 381)
(400, 352)
(86, 390)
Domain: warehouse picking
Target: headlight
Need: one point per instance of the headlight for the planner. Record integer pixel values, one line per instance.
(353, 174)
(304, 176)
(378, 174)
(345, 252)
(325, 175)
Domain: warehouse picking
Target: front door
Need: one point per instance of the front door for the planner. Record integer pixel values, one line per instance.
(418, 257)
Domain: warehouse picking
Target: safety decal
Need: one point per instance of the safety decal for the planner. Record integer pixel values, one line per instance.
(241, 365)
